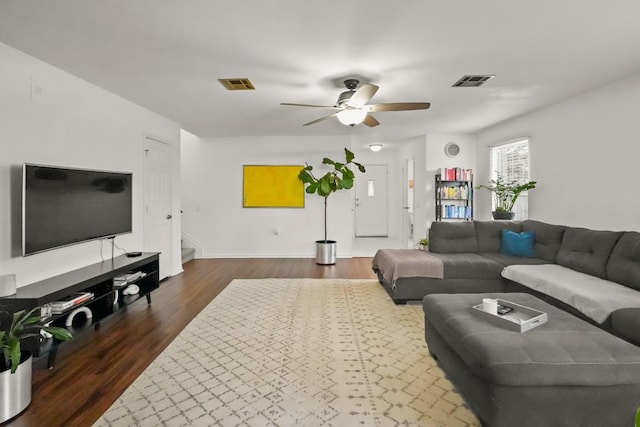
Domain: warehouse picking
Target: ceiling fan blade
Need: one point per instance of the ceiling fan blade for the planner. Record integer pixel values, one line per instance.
(333, 107)
(321, 119)
(398, 106)
(370, 121)
(362, 95)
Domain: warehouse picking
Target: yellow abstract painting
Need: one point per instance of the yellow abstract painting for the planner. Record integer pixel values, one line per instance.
(265, 186)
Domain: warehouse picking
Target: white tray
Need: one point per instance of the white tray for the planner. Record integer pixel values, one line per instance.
(521, 319)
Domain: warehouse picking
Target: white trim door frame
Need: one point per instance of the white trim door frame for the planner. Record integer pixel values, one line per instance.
(157, 202)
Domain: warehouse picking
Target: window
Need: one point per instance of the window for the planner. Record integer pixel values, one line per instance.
(511, 162)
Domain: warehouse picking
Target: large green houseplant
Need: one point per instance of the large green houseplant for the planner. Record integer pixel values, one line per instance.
(15, 363)
(340, 178)
(505, 195)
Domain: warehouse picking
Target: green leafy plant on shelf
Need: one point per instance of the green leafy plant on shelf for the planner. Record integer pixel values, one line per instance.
(422, 244)
(340, 178)
(24, 324)
(507, 192)
(637, 423)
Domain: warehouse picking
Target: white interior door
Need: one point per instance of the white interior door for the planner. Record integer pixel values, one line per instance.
(157, 202)
(407, 203)
(371, 213)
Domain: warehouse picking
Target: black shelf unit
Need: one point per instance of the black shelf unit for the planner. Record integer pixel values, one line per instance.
(454, 198)
(97, 279)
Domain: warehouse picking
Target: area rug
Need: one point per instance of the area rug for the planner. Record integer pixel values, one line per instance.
(295, 352)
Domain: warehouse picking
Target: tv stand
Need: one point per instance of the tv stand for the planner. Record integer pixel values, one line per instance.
(97, 279)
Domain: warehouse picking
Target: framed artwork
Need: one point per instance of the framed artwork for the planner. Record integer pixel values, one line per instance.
(267, 186)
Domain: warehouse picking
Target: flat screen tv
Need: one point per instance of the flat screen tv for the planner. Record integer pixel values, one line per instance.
(63, 206)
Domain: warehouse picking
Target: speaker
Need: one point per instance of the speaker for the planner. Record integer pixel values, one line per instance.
(7, 285)
(452, 149)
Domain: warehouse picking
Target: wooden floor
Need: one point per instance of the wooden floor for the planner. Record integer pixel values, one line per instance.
(97, 366)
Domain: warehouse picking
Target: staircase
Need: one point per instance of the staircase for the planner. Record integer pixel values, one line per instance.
(190, 248)
(188, 254)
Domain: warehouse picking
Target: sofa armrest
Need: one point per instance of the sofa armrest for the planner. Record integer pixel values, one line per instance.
(626, 323)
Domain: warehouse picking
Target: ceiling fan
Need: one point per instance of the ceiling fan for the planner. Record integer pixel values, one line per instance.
(352, 107)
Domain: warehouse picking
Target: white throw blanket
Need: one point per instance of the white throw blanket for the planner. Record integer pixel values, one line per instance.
(594, 297)
(403, 263)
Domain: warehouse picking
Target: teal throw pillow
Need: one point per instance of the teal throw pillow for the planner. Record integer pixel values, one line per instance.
(518, 244)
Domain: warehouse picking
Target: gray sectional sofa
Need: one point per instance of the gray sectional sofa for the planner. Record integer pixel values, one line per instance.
(570, 371)
(590, 273)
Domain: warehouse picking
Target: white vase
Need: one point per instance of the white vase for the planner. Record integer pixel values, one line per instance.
(15, 389)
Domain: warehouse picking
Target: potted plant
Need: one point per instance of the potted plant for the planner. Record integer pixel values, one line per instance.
(15, 363)
(506, 194)
(340, 178)
(423, 244)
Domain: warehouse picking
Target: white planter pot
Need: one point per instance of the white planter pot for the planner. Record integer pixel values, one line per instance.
(325, 252)
(15, 389)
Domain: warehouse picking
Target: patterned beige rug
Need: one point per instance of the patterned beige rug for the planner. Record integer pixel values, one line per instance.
(295, 352)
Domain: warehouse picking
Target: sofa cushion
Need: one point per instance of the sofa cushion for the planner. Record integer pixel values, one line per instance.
(452, 237)
(624, 262)
(586, 250)
(626, 323)
(594, 297)
(548, 238)
(489, 234)
(511, 260)
(518, 244)
(469, 266)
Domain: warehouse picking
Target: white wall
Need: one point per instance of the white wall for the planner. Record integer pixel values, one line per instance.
(584, 155)
(437, 158)
(50, 117)
(212, 198)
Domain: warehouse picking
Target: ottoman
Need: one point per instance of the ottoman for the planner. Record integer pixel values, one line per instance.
(565, 372)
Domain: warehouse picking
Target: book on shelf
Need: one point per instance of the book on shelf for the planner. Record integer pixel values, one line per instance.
(455, 192)
(456, 212)
(127, 278)
(455, 174)
(70, 301)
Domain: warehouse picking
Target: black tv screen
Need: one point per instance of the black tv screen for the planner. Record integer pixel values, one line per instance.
(62, 206)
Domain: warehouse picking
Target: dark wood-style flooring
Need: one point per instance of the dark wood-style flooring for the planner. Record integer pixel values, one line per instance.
(97, 366)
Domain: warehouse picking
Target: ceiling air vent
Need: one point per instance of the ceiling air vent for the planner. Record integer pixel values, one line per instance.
(237, 84)
(472, 81)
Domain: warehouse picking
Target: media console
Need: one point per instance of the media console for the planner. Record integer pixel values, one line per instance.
(98, 279)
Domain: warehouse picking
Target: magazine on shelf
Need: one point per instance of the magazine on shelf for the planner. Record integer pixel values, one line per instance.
(70, 301)
(125, 279)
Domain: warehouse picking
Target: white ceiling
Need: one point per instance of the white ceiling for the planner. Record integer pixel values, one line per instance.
(167, 56)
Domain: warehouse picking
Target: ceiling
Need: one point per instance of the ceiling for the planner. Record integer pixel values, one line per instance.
(167, 56)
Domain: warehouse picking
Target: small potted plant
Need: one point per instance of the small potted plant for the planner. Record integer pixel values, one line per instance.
(15, 363)
(505, 195)
(340, 178)
(423, 244)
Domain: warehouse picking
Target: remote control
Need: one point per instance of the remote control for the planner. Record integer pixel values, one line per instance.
(503, 309)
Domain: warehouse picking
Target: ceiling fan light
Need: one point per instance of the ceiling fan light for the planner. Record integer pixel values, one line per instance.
(351, 117)
(375, 147)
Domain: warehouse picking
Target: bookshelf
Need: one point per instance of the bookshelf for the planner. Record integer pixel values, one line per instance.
(454, 194)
